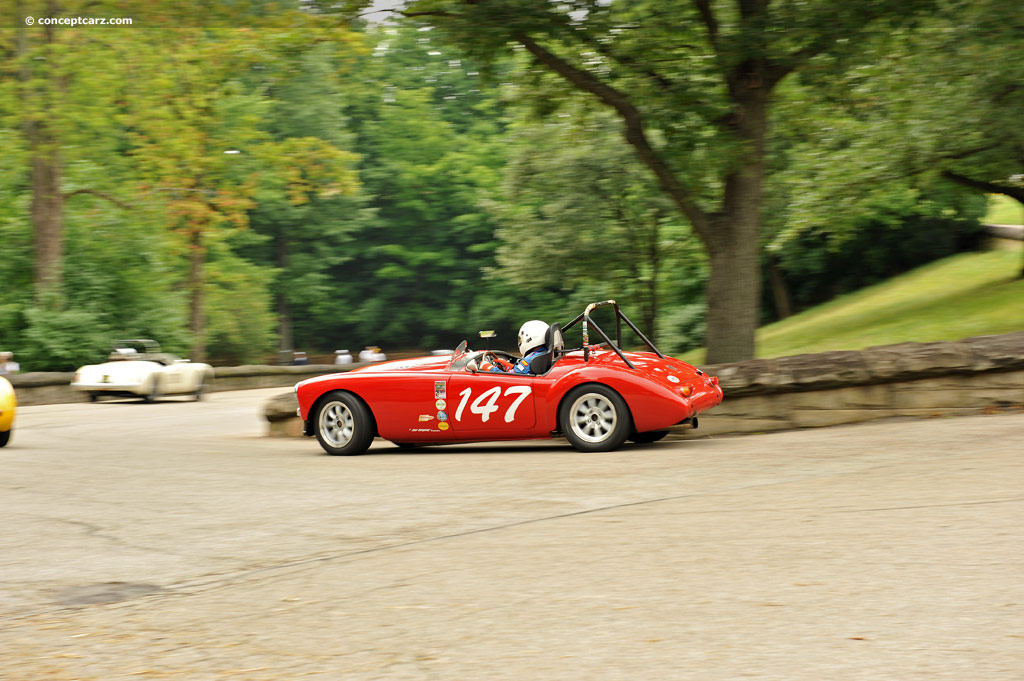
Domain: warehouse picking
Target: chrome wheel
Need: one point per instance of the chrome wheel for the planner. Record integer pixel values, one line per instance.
(343, 424)
(336, 424)
(593, 417)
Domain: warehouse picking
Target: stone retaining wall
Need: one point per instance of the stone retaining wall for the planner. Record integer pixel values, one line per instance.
(974, 375)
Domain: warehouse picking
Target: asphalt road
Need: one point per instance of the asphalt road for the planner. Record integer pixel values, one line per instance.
(173, 541)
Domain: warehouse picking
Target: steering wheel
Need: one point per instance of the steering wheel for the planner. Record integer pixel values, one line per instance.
(486, 357)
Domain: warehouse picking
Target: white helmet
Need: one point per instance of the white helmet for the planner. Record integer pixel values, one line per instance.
(531, 335)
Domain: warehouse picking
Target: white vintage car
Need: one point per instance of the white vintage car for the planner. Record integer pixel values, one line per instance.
(137, 368)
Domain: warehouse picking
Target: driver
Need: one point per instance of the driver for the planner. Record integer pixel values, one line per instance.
(531, 344)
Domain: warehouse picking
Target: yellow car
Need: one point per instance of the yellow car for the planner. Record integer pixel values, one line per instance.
(8, 403)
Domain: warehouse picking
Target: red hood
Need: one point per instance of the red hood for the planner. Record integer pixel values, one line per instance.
(418, 364)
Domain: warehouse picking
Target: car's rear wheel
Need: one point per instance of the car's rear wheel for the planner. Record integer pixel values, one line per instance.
(648, 437)
(203, 388)
(154, 391)
(595, 418)
(5, 437)
(343, 424)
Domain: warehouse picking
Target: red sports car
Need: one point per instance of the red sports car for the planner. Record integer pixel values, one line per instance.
(597, 396)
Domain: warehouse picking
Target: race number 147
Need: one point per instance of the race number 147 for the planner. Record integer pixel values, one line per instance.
(486, 403)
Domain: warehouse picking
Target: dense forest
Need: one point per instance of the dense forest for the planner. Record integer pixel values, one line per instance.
(283, 175)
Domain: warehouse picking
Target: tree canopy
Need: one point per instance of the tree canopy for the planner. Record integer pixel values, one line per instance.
(288, 176)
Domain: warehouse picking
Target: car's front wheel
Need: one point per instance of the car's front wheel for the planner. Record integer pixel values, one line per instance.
(595, 418)
(5, 437)
(343, 424)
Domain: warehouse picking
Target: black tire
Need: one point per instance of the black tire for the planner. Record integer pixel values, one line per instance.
(204, 387)
(154, 392)
(648, 437)
(343, 424)
(5, 437)
(595, 418)
(93, 397)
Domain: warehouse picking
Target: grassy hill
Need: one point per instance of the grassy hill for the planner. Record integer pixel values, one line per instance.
(1002, 210)
(969, 294)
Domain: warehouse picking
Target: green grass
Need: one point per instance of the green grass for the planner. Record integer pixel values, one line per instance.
(969, 294)
(1002, 210)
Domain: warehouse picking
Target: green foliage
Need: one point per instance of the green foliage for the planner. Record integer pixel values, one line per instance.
(843, 211)
(584, 219)
(240, 327)
(60, 340)
(386, 192)
(431, 152)
(682, 328)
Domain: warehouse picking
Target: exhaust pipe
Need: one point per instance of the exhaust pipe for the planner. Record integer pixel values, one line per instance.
(692, 422)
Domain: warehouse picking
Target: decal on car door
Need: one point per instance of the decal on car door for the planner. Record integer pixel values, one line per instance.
(487, 402)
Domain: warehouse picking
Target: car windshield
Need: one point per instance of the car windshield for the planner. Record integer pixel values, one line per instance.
(461, 357)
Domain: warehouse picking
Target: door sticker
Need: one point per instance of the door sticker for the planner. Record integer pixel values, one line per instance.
(486, 403)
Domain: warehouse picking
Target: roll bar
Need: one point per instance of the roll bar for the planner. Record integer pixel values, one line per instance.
(617, 345)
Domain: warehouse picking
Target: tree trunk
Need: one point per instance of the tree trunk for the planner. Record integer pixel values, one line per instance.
(733, 292)
(1021, 276)
(734, 284)
(284, 315)
(654, 259)
(47, 213)
(196, 282)
(780, 292)
(47, 209)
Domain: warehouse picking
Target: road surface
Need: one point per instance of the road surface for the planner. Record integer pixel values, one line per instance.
(174, 541)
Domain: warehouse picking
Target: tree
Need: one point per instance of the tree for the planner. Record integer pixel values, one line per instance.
(201, 132)
(585, 218)
(431, 151)
(42, 81)
(692, 83)
(929, 116)
(841, 212)
(81, 264)
(956, 88)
